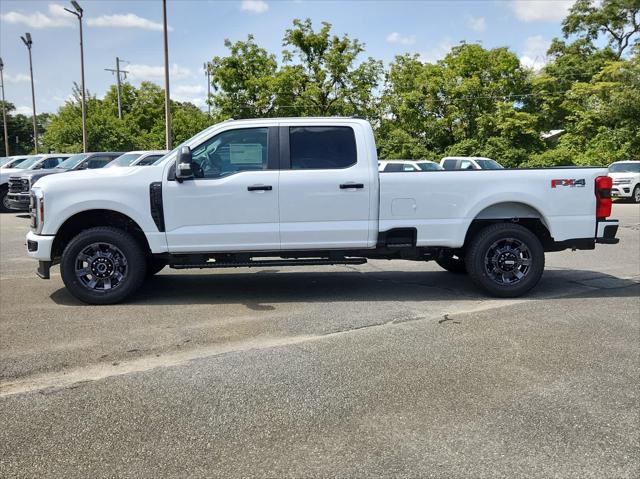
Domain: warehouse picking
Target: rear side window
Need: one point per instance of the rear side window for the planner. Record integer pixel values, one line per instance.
(449, 164)
(149, 160)
(391, 167)
(322, 147)
(99, 161)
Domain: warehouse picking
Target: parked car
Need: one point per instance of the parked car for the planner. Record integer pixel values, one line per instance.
(407, 165)
(626, 179)
(14, 165)
(17, 184)
(469, 163)
(19, 200)
(137, 158)
(306, 191)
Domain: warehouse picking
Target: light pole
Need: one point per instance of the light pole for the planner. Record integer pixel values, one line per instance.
(167, 100)
(28, 42)
(78, 13)
(4, 114)
(208, 73)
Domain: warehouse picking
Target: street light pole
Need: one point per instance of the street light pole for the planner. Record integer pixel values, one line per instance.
(4, 114)
(28, 42)
(167, 100)
(208, 73)
(78, 13)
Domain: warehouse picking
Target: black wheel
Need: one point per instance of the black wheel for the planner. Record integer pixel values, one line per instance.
(4, 200)
(505, 259)
(103, 265)
(636, 194)
(155, 265)
(452, 263)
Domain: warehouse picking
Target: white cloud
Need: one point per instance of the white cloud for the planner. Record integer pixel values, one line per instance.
(57, 17)
(23, 110)
(534, 53)
(540, 10)
(125, 20)
(196, 94)
(477, 24)
(396, 37)
(138, 72)
(438, 52)
(254, 6)
(189, 89)
(17, 78)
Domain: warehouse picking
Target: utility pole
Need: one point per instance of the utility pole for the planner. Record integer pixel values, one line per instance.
(117, 71)
(78, 13)
(207, 72)
(4, 114)
(167, 98)
(28, 42)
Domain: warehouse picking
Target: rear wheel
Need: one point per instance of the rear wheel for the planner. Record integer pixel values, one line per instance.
(452, 263)
(103, 265)
(505, 259)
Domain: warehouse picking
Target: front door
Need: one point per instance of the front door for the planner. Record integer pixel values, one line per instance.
(231, 204)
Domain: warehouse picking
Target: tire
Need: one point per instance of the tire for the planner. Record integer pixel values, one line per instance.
(4, 200)
(452, 263)
(505, 259)
(155, 265)
(635, 196)
(113, 263)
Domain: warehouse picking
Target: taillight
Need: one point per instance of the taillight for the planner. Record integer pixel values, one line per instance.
(603, 197)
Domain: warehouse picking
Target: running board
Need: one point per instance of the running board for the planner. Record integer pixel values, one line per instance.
(275, 262)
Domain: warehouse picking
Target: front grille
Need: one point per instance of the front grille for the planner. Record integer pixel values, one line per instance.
(621, 182)
(18, 185)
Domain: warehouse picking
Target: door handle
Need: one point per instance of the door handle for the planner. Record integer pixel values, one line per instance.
(346, 186)
(260, 188)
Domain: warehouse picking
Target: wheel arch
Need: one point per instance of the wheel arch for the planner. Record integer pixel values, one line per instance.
(86, 219)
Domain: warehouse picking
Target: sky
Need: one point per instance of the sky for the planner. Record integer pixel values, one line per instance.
(132, 30)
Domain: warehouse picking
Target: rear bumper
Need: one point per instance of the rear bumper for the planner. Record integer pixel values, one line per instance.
(18, 201)
(606, 231)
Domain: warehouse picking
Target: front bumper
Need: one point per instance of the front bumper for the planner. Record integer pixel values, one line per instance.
(18, 201)
(621, 191)
(39, 246)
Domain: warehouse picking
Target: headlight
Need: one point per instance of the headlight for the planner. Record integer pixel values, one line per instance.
(36, 209)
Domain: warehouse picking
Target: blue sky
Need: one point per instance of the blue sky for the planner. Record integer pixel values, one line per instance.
(131, 29)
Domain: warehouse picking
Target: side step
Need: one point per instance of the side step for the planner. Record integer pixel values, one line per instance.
(275, 262)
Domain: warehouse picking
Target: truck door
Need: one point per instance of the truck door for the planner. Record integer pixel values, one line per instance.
(325, 188)
(231, 203)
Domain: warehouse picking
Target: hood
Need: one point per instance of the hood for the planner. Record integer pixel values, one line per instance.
(6, 173)
(35, 175)
(623, 174)
(109, 174)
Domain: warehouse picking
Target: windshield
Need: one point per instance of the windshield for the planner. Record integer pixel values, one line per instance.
(14, 162)
(73, 161)
(26, 164)
(124, 160)
(489, 165)
(625, 168)
(429, 166)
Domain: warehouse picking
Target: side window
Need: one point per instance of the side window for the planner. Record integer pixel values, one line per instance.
(466, 165)
(51, 162)
(98, 162)
(408, 167)
(449, 164)
(231, 152)
(392, 167)
(149, 160)
(322, 147)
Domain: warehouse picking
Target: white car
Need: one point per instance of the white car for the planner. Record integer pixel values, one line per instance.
(138, 158)
(626, 179)
(306, 191)
(469, 163)
(387, 166)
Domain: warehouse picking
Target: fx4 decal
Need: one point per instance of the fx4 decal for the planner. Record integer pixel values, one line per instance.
(568, 182)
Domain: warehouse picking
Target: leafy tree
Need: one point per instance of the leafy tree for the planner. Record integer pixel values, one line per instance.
(20, 131)
(618, 20)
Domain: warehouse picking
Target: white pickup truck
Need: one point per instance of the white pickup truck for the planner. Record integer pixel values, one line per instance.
(307, 191)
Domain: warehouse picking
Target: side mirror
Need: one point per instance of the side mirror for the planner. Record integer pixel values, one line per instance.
(84, 165)
(183, 164)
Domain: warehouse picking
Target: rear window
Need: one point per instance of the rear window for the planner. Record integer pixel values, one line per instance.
(322, 147)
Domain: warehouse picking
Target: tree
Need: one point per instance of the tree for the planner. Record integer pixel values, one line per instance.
(618, 20)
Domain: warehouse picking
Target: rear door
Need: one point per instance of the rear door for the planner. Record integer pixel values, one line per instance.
(325, 188)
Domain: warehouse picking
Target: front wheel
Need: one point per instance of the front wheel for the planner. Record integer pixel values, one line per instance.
(636, 194)
(505, 259)
(103, 265)
(4, 200)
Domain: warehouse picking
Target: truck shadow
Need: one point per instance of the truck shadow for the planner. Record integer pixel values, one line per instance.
(259, 290)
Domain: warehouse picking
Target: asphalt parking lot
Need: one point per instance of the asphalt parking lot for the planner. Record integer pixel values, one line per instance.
(392, 369)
